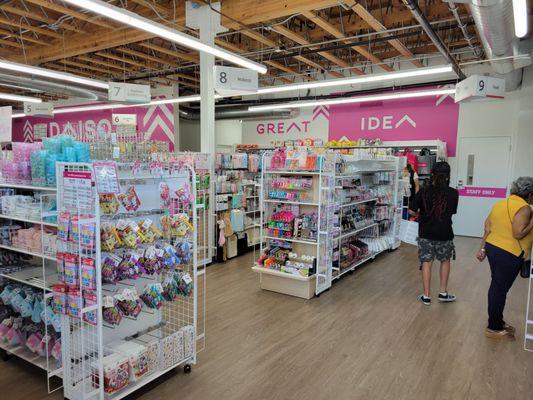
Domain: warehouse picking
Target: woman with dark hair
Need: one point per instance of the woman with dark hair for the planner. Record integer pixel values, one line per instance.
(507, 243)
(434, 206)
(411, 183)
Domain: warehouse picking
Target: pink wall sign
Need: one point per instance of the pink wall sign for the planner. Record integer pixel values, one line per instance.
(490, 192)
(155, 122)
(426, 118)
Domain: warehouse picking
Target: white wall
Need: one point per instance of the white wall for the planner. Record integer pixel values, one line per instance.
(227, 132)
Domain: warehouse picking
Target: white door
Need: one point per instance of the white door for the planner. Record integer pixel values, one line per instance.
(482, 177)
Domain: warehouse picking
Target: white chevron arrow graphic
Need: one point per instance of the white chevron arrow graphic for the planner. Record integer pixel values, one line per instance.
(404, 119)
(159, 123)
(28, 132)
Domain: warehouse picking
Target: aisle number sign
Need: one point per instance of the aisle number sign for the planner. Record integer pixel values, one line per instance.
(124, 119)
(129, 92)
(45, 109)
(230, 80)
(477, 86)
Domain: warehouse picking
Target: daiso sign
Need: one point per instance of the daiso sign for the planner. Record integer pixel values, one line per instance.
(282, 128)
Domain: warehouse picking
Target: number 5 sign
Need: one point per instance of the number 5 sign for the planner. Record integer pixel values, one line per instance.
(229, 80)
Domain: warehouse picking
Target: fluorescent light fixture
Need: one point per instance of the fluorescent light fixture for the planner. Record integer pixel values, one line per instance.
(113, 106)
(136, 21)
(520, 17)
(16, 97)
(47, 73)
(359, 99)
(358, 80)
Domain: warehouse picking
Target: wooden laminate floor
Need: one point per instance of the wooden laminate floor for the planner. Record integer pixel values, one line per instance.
(367, 338)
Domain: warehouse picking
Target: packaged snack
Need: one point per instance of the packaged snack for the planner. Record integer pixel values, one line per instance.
(110, 312)
(129, 303)
(109, 204)
(88, 273)
(59, 293)
(72, 270)
(110, 268)
(74, 303)
(130, 200)
(90, 299)
(63, 226)
(153, 295)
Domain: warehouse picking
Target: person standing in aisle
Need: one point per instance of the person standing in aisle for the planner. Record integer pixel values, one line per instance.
(434, 206)
(411, 186)
(507, 243)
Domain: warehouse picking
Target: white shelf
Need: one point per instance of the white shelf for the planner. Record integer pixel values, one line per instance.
(292, 240)
(302, 203)
(31, 221)
(252, 212)
(33, 276)
(359, 202)
(292, 172)
(353, 232)
(24, 353)
(28, 252)
(275, 272)
(28, 187)
(529, 336)
(133, 386)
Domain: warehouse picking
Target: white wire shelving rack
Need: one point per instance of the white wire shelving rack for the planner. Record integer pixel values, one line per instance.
(356, 171)
(85, 345)
(38, 273)
(318, 201)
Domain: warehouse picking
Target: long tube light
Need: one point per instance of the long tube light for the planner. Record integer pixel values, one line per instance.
(520, 17)
(47, 73)
(359, 99)
(113, 106)
(418, 72)
(16, 97)
(128, 18)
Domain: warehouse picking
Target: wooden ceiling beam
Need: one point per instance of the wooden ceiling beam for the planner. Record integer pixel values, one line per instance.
(148, 57)
(122, 59)
(270, 43)
(31, 28)
(378, 27)
(37, 16)
(92, 60)
(184, 76)
(67, 11)
(339, 35)
(289, 70)
(25, 38)
(86, 66)
(76, 71)
(9, 43)
(326, 54)
(160, 49)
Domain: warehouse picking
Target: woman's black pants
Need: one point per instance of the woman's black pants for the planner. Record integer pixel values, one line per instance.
(504, 268)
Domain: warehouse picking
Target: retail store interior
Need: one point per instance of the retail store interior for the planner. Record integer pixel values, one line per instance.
(276, 199)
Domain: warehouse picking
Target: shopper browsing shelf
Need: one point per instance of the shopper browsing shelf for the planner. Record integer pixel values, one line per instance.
(506, 243)
(411, 182)
(434, 206)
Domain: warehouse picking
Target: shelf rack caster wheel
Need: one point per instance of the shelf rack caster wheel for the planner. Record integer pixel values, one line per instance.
(187, 368)
(4, 355)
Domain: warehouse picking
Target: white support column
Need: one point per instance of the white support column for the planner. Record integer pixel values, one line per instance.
(176, 114)
(202, 17)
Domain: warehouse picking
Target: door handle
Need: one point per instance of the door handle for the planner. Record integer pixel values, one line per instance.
(470, 170)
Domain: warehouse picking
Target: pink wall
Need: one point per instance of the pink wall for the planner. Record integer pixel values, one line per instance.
(426, 118)
(156, 123)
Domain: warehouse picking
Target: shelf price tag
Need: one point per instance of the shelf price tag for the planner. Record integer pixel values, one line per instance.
(106, 177)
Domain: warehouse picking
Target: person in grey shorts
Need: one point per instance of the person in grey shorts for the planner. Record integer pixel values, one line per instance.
(434, 206)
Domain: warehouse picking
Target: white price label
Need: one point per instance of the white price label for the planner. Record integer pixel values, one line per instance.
(187, 279)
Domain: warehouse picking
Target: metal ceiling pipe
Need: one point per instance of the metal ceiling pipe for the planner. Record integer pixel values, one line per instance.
(495, 25)
(52, 87)
(244, 114)
(476, 50)
(412, 5)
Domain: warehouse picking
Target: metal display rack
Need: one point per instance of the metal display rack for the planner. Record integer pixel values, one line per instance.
(37, 272)
(96, 364)
(314, 200)
(362, 185)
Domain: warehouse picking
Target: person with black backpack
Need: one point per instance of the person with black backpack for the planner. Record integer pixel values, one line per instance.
(434, 206)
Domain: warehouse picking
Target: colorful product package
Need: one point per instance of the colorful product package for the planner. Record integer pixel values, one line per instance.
(59, 293)
(72, 270)
(88, 273)
(74, 303)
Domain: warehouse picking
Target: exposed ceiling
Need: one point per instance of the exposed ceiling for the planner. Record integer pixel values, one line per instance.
(296, 39)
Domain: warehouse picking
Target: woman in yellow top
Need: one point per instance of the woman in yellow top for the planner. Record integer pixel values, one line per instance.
(507, 241)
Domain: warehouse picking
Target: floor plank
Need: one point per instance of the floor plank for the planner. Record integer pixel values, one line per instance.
(366, 338)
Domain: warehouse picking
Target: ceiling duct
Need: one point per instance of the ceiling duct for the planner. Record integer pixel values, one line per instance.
(243, 114)
(495, 25)
(52, 88)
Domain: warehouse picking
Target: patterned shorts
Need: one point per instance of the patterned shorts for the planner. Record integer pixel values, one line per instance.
(429, 250)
